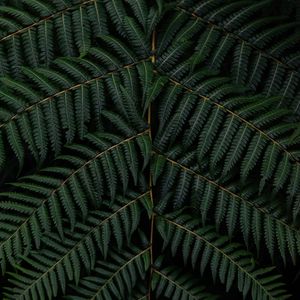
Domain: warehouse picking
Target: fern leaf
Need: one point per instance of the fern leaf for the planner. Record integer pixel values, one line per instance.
(41, 7)
(82, 110)
(56, 198)
(239, 211)
(234, 264)
(255, 148)
(46, 44)
(136, 36)
(82, 30)
(65, 261)
(170, 283)
(51, 117)
(140, 10)
(21, 16)
(208, 133)
(137, 133)
(65, 39)
(117, 13)
(98, 18)
(120, 48)
(154, 91)
(171, 28)
(111, 284)
(66, 111)
(40, 80)
(15, 143)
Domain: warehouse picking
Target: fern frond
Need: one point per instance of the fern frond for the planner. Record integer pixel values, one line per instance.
(114, 278)
(141, 11)
(46, 43)
(136, 36)
(235, 18)
(81, 30)
(41, 23)
(21, 16)
(65, 39)
(230, 31)
(253, 216)
(61, 262)
(231, 262)
(116, 10)
(137, 133)
(98, 17)
(120, 48)
(72, 102)
(172, 284)
(81, 176)
(170, 30)
(252, 128)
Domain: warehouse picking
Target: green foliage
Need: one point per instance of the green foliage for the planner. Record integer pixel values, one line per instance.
(149, 149)
(228, 260)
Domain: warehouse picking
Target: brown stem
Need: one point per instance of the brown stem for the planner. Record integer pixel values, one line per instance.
(153, 59)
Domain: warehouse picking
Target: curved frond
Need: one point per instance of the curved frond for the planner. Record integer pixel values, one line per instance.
(172, 284)
(250, 132)
(116, 277)
(240, 210)
(227, 260)
(59, 263)
(39, 23)
(58, 112)
(237, 35)
(70, 188)
(145, 145)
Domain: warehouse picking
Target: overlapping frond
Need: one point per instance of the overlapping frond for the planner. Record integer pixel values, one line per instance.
(228, 206)
(71, 187)
(63, 102)
(229, 262)
(233, 36)
(232, 129)
(64, 28)
(144, 145)
(60, 262)
(40, 25)
(116, 277)
(173, 282)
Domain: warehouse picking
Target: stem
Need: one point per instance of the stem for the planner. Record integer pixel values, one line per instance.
(153, 59)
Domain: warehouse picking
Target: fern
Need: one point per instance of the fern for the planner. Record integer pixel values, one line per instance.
(228, 260)
(116, 280)
(48, 199)
(149, 149)
(232, 29)
(64, 260)
(59, 99)
(171, 283)
(39, 23)
(248, 124)
(233, 209)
